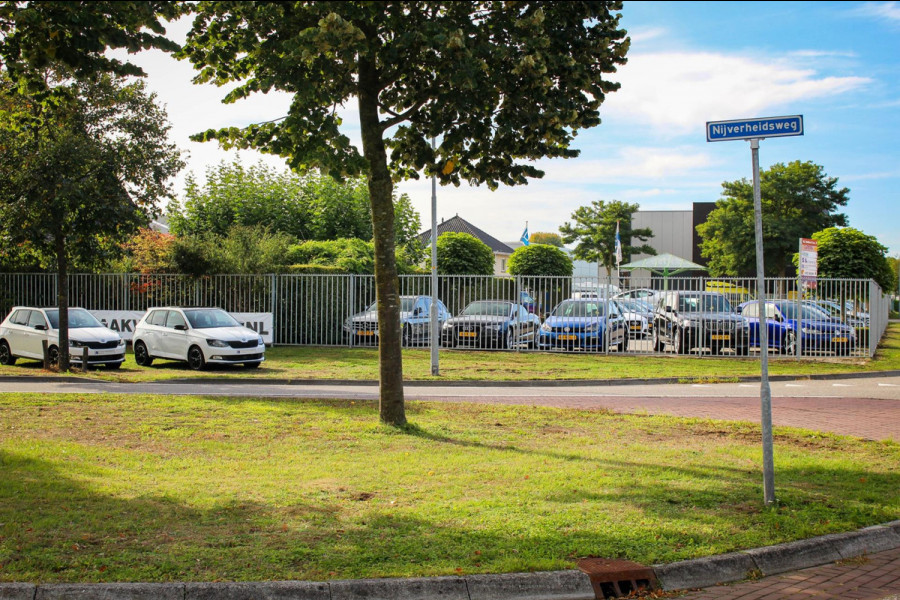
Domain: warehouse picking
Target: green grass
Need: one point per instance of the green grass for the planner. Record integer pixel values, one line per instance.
(141, 488)
(304, 362)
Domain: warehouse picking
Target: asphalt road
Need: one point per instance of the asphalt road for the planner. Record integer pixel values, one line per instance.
(864, 407)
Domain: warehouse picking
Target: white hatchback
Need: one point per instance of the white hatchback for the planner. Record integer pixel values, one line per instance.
(25, 329)
(198, 336)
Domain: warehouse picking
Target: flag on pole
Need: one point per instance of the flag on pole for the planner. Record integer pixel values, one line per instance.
(524, 238)
(618, 245)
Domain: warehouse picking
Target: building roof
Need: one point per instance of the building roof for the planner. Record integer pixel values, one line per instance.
(459, 225)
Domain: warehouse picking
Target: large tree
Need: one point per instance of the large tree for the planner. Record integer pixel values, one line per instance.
(81, 174)
(500, 83)
(594, 232)
(848, 253)
(798, 199)
(310, 206)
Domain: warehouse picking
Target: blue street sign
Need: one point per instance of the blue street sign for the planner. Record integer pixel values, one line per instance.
(747, 129)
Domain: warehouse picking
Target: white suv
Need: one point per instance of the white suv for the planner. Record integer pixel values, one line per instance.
(25, 328)
(196, 335)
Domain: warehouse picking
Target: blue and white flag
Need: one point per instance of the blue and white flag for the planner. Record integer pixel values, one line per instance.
(618, 246)
(524, 238)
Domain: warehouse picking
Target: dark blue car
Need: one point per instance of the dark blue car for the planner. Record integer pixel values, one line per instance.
(584, 324)
(815, 330)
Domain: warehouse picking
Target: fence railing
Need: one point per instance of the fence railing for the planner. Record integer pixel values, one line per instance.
(844, 317)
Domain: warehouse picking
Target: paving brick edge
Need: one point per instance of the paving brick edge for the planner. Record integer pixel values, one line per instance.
(550, 585)
(460, 383)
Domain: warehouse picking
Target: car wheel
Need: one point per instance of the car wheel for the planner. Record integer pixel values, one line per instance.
(678, 342)
(789, 344)
(623, 345)
(6, 357)
(113, 366)
(658, 344)
(142, 355)
(195, 358)
(406, 339)
(53, 356)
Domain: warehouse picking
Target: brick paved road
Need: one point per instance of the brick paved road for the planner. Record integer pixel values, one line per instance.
(870, 578)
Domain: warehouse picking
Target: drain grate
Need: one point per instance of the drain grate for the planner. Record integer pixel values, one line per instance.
(614, 578)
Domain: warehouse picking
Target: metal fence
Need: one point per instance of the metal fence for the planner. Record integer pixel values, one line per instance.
(601, 315)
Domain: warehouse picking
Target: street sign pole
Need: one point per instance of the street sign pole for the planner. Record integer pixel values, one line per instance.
(765, 391)
(754, 130)
(435, 333)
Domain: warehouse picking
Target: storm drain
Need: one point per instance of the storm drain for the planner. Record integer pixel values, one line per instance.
(617, 578)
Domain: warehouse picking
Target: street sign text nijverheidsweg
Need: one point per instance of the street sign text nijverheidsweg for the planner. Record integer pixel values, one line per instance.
(745, 129)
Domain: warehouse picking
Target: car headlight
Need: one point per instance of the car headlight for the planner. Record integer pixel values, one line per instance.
(121, 343)
(810, 330)
(216, 343)
(546, 328)
(687, 323)
(260, 341)
(76, 344)
(495, 327)
(447, 326)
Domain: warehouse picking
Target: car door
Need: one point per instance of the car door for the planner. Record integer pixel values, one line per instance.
(38, 330)
(20, 337)
(176, 339)
(750, 312)
(153, 330)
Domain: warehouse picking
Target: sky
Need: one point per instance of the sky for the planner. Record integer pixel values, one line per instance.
(835, 63)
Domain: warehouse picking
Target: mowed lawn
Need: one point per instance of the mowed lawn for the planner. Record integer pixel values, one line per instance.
(330, 363)
(142, 488)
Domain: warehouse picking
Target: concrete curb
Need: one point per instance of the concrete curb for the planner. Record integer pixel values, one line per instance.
(459, 383)
(550, 585)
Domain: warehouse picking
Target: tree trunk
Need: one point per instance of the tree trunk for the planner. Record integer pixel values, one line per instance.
(381, 191)
(62, 302)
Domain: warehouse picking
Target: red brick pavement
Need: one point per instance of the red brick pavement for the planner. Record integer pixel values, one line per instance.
(875, 419)
(868, 578)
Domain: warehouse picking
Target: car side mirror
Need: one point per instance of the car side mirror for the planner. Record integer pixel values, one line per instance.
(41, 327)
(417, 312)
(739, 309)
(180, 328)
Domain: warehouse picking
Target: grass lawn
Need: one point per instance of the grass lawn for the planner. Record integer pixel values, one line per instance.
(308, 362)
(141, 488)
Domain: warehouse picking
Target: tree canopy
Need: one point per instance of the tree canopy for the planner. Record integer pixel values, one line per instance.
(594, 231)
(540, 259)
(463, 254)
(543, 237)
(848, 253)
(501, 84)
(798, 199)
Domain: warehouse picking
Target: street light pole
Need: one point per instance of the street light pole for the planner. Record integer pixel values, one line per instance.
(435, 366)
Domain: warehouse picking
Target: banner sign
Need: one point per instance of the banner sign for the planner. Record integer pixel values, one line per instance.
(124, 321)
(809, 262)
(746, 129)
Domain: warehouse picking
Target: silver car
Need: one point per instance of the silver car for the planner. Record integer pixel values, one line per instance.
(198, 336)
(26, 328)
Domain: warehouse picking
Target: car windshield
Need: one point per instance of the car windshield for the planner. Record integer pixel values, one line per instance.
(573, 308)
(78, 319)
(406, 305)
(489, 309)
(635, 305)
(703, 303)
(789, 310)
(207, 319)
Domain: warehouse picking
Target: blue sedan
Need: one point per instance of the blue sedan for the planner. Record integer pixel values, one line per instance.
(789, 323)
(584, 324)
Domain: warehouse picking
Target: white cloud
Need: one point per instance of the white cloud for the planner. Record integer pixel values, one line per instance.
(823, 53)
(632, 163)
(677, 93)
(889, 11)
(643, 35)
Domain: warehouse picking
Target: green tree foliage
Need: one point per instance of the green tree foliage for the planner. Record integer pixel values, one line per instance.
(798, 199)
(148, 252)
(463, 254)
(540, 259)
(243, 249)
(348, 255)
(501, 84)
(848, 253)
(83, 174)
(311, 206)
(594, 231)
(541, 237)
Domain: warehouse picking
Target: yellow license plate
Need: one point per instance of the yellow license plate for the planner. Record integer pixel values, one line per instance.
(637, 327)
(365, 333)
(720, 337)
(568, 338)
(467, 334)
(840, 339)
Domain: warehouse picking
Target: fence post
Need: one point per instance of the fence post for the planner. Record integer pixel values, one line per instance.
(351, 308)
(274, 302)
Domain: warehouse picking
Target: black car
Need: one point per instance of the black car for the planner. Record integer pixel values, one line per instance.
(686, 320)
(492, 324)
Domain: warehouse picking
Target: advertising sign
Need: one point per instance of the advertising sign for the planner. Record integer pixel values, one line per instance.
(123, 322)
(809, 267)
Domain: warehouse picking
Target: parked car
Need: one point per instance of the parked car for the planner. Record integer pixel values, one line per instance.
(638, 316)
(492, 324)
(528, 301)
(415, 321)
(198, 336)
(787, 322)
(644, 294)
(834, 311)
(584, 324)
(686, 320)
(25, 329)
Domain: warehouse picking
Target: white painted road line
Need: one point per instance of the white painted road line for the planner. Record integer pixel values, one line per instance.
(841, 385)
(888, 385)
